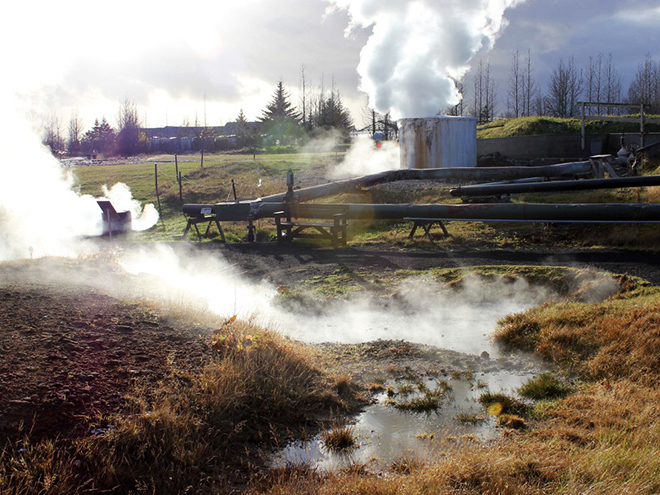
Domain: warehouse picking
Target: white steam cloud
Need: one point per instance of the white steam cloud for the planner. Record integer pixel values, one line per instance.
(122, 199)
(421, 310)
(418, 48)
(364, 158)
(40, 212)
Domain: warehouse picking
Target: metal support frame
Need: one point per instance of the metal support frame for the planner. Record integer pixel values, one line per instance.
(209, 219)
(642, 119)
(426, 224)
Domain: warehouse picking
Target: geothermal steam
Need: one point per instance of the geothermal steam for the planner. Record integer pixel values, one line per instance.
(40, 213)
(419, 48)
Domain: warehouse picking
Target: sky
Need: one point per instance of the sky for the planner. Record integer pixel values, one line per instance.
(206, 60)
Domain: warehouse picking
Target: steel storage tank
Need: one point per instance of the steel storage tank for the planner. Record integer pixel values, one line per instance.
(438, 142)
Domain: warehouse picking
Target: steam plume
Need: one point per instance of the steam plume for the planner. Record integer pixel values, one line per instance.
(418, 48)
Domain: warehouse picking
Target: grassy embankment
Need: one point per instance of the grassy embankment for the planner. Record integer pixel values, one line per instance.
(527, 126)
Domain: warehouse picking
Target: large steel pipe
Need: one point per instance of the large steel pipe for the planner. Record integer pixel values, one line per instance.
(568, 185)
(516, 212)
(464, 173)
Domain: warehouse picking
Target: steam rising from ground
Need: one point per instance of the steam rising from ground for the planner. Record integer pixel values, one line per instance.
(363, 158)
(419, 48)
(421, 311)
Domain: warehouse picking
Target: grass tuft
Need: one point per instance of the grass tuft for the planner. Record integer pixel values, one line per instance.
(545, 386)
(340, 439)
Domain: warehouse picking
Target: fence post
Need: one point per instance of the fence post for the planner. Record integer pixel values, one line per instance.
(180, 187)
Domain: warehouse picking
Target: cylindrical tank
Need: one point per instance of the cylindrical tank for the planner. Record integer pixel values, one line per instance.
(438, 142)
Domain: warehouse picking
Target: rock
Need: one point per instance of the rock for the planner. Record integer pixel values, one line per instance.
(485, 355)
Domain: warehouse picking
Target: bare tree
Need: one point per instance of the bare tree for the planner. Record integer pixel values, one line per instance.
(52, 135)
(304, 97)
(128, 128)
(593, 82)
(515, 96)
(529, 87)
(459, 108)
(645, 87)
(483, 101)
(611, 85)
(75, 129)
(564, 89)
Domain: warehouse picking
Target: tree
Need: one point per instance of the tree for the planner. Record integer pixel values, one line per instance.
(128, 125)
(515, 97)
(459, 108)
(564, 90)
(529, 87)
(75, 133)
(331, 113)
(280, 119)
(611, 85)
(645, 87)
(52, 135)
(483, 107)
(304, 99)
(100, 138)
(593, 82)
(243, 132)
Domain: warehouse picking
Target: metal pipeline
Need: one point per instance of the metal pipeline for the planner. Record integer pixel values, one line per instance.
(516, 212)
(463, 173)
(568, 185)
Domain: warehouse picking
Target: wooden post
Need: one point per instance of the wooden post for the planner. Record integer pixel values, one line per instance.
(180, 187)
(641, 125)
(157, 195)
(583, 130)
(176, 166)
(233, 190)
(201, 162)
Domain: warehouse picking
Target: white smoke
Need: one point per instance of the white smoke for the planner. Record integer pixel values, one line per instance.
(418, 48)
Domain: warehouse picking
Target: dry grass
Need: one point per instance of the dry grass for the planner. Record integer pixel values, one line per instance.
(618, 338)
(603, 438)
(191, 434)
(340, 439)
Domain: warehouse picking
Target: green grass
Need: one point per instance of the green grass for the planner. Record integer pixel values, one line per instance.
(212, 184)
(526, 126)
(545, 386)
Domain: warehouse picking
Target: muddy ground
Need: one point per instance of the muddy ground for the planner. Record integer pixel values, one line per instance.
(72, 348)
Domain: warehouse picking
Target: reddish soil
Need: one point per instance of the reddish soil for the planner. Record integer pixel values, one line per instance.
(69, 354)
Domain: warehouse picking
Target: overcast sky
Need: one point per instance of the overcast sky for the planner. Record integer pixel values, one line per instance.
(168, 56)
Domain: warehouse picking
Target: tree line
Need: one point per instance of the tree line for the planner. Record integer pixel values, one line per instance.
(599, 81)
(281, 122)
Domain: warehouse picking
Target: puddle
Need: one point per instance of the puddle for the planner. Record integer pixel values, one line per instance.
(385, 434)
(462, 327)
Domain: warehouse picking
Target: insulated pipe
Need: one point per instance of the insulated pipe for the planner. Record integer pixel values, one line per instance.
(568, 185)
(463, 173)
(587, 213)
(514, 212)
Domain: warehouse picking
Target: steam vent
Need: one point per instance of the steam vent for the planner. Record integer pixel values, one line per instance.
(438, 142)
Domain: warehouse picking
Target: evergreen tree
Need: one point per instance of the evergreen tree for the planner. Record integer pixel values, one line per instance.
(280, 119)
(100, 138)
(243, 132)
